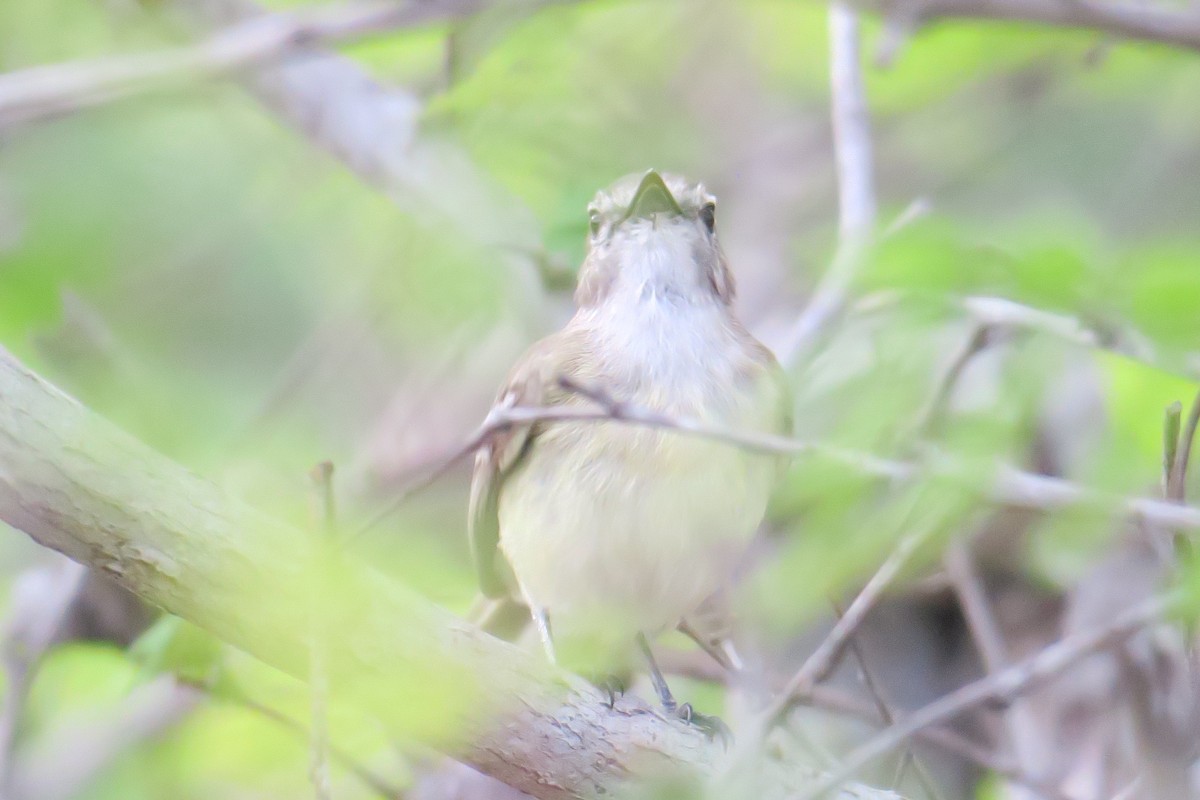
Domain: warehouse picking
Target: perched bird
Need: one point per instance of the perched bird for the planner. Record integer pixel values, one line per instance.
(612, 531)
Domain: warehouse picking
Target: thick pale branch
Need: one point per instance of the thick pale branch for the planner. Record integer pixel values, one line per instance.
(76, 484)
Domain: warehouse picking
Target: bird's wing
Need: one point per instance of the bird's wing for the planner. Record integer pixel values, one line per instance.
(533, 382)
(785, 402)
(765, 370)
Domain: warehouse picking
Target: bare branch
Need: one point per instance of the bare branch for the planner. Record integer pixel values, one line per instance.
(934, 412)
(1012, 681)
(825, 657)
(1003, 313)
(324, 521)
(40, 602)
(1171, 425)
(837, 701)
(1009, 486)
(1177, 489)
(855, 178)
(1175, 26)
(1023, 735)
(40, 92)
(887, 713)
(77, 485)
(95, 743)
(372, 128)
(851, 126)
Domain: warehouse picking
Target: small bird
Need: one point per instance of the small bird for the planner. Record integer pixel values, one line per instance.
(616, 532)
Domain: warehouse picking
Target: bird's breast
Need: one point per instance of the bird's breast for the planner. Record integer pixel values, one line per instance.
(620, 518)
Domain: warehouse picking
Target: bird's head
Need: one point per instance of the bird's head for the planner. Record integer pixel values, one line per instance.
(652, 236)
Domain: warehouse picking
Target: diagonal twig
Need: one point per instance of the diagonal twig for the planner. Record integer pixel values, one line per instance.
(887, 714)
(40, 92)
(1151, 22)
(1049, 663)
(1009, 485)
(822, 660)
(985, 632)
(374, 129)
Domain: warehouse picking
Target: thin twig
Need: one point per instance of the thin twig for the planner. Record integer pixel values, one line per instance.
(968, 586)
(851, 119)
(1160, 23)
(66, 760)
(39, 604)
(935, 411)
(830, 699)
(837, 701)
(1003, 313)
(887, 714)
(985, 632)
(348, 760)
(40, 92)
(1049, 663)
(1009, 486)
(822, 660)
(713, 651)
(1177, 489)
(324, 515)
(1171, 424)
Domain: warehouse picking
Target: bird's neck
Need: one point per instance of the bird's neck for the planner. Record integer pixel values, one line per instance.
(652, 340)
(661, 272)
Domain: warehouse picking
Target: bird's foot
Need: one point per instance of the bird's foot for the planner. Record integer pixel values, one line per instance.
(712, 726)
(613, 686)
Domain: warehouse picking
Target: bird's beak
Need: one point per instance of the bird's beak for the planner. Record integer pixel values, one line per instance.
(652, 197)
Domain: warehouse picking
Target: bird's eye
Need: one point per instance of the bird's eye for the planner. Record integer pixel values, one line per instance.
(594, 222)
(708, 213)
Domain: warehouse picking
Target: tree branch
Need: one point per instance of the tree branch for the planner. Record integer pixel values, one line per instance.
(374, 129)
(371, 128)
(1146, 22)
(76, 484)
(1009, 486)
(39, 92)
(95, 742)
(1010, 682)
(851, 119)
(823, 660)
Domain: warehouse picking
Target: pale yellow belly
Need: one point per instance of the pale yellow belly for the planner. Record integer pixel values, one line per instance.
(631, 535)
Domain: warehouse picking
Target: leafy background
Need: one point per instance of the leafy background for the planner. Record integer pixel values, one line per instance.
(199, 274)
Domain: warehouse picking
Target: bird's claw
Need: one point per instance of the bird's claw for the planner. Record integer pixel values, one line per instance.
(612, 687)
(712, 726)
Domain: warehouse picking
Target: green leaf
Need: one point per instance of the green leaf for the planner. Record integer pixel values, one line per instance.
(174, 645)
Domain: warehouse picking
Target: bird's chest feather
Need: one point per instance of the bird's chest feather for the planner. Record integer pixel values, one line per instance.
(667, 354)
(614, 512)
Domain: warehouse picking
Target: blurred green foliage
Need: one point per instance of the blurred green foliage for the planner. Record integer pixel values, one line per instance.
(198, 273)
